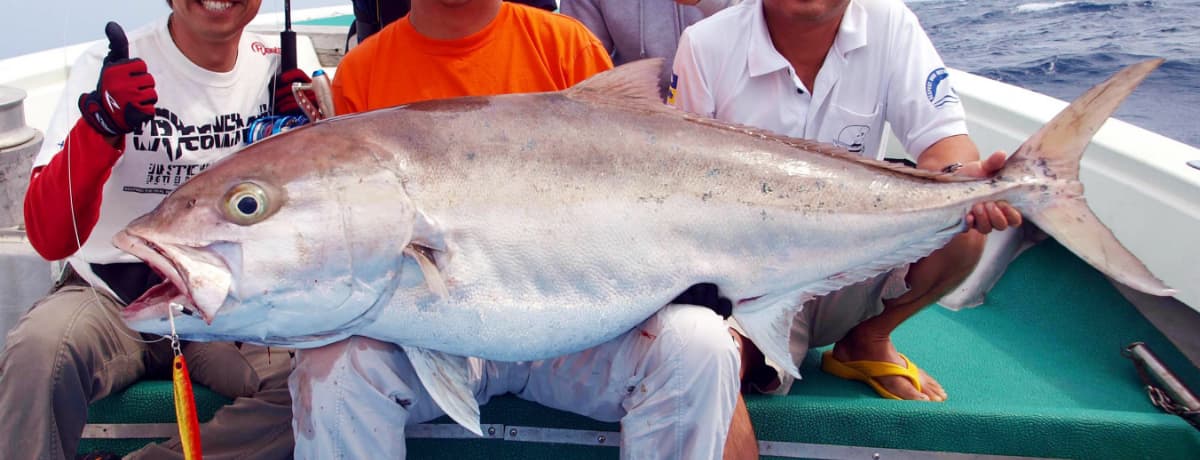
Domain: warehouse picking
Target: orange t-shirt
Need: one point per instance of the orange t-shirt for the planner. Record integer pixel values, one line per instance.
(522, 50)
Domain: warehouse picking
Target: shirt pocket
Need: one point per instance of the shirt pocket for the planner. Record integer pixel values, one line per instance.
(853, 130)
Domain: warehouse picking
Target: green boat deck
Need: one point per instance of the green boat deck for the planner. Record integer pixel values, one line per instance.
(1037, 372)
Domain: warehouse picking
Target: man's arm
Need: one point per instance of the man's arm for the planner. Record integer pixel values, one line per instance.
(342, 103)
(62, 202)
(928, 118)
(63, 198)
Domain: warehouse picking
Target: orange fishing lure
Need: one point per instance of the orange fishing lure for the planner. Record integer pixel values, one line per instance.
(185, 400)
(185, 410)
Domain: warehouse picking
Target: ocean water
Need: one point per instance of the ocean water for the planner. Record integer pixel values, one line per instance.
(1061, 48)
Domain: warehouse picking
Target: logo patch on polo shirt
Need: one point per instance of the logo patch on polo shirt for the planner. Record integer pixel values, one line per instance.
(851, 137)
(674, 87)
(938, 89)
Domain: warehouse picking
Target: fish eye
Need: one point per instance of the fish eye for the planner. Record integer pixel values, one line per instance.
(246, 203)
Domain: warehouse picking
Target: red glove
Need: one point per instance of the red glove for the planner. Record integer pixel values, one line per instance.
(285, 100)
(124, 97)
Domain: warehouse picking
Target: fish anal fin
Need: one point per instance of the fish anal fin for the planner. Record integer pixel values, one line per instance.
(447, 379)
(896, 259)
(767, 321)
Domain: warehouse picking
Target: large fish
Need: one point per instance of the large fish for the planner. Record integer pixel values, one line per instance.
(521, 227)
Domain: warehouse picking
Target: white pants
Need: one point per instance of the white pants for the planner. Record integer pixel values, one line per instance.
(672, 382)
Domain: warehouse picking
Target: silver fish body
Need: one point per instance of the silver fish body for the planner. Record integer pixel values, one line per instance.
(522, 227)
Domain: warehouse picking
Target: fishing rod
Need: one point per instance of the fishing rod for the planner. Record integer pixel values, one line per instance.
(267, 126)
(287, 40)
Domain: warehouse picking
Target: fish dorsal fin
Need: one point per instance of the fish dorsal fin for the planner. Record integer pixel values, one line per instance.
(830, 150)
(632, 85)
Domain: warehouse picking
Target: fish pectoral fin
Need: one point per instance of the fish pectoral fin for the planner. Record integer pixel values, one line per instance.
(447, 379)
(767, 321)
(429, 269)
(427, 241)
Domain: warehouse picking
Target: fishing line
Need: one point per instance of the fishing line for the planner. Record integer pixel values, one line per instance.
(259, 129)
(75, 229)
(79, 246)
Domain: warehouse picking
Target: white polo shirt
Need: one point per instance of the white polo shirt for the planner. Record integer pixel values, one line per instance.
(882, 67)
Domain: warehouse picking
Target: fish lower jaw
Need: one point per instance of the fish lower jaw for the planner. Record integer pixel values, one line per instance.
(160, 301)
(173, 289)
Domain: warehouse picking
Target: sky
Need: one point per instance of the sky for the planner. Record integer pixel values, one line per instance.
(35, 25)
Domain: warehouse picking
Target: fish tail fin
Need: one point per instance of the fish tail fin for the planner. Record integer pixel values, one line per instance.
(1049, 163)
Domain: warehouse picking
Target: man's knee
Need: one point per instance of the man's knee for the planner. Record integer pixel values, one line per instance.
(26, 352)
(364, 384)
(57, 324)
(968, 250)
(700, 337)
(367, 365)
(221, 367)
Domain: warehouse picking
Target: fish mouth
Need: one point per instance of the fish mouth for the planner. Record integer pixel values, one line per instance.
(194, 278)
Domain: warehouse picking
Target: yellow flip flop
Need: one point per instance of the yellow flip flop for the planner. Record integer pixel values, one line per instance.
(867, 371)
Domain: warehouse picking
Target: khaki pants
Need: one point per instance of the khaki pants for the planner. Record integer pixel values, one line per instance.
(71, 349)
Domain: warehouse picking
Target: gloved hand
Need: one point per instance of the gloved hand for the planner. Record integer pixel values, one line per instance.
(285, 100)
(706, 295)
(124, 97)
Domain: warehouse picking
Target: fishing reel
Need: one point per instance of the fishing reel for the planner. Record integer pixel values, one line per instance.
(268, 126)
(271, 125)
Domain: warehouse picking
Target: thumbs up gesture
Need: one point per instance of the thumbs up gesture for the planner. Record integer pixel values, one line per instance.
(124, 97)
